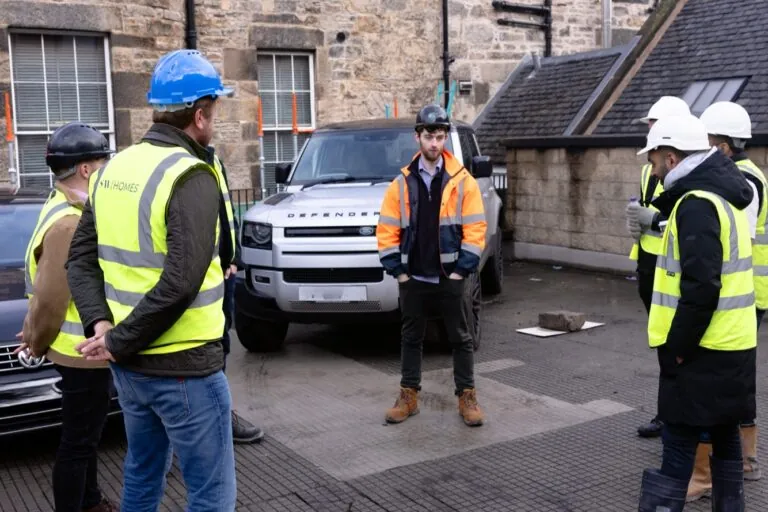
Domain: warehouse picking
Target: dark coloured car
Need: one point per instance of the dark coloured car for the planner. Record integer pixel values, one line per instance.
(29, 398)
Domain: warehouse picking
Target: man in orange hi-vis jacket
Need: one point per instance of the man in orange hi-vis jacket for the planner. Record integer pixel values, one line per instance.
(431, 234)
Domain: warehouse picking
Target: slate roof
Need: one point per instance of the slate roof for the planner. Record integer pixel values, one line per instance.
(544, 102)
(709, 39)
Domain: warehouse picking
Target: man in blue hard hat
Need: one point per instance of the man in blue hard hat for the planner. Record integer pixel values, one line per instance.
(149, 258)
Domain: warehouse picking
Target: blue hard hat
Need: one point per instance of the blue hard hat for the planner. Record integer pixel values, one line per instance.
(182, 77)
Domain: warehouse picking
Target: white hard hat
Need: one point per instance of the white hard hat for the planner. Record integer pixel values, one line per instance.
(686, 133)
(729, 119)
(666, 106)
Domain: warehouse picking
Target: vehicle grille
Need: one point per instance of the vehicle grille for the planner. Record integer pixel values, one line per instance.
(330, 231)
(9, 363)
(333, 275)
(366, 306)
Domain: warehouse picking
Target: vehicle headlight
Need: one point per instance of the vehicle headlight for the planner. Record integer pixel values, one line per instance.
(257, 235)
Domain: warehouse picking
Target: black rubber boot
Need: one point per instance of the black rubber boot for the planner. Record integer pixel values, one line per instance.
(727, 485)
(651, 429)
(661, 493)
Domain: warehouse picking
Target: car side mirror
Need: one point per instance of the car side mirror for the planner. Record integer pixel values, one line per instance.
(481, 167)
(281, 173)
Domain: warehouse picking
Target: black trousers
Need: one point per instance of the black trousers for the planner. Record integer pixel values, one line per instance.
(680, 442)
(446, 298)
(85, 404)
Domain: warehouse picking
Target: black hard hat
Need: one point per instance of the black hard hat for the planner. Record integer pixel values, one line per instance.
(74, 143)
(433, 116)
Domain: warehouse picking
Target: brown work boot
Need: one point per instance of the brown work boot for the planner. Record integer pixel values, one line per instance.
(407, 405)
(104, 506)
(701, 481)
(749, 450)
(469, 410)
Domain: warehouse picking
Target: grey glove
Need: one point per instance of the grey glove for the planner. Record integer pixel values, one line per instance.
(633, 226)
(645, 217)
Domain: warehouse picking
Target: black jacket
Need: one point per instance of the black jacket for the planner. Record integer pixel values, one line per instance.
(193, 212)
(709, 387)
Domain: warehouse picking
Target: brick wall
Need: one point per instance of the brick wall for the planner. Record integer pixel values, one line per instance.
(575, 199)
(391, 50)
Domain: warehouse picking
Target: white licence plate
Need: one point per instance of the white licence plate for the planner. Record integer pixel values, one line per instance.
(332, 293)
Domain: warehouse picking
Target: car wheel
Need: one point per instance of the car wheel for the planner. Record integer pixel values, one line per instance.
(493, 272)
(473, 305)
(258, 335)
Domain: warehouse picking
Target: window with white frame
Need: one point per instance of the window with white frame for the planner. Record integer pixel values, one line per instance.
(56, 78)
(281, 74)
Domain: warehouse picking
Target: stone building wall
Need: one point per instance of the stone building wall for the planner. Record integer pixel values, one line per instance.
(391, 50)
(575, 199)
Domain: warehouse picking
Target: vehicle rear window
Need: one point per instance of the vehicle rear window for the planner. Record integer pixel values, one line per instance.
(17, 222)
(359, 154)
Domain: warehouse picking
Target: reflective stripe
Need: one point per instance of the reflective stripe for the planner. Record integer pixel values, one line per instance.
(655, 234)
(449, 257)
(724, 304)
(99, 175)
(28, 289)
(73, 328)
(472, 248)
(391, 221)
(459, 202)
(204, 298)
(131, 258)
(477, 217)
(403, 217)
(386, 252)
(760, 270)
(404, 259)
(447, 221)
(231, 225)
(732, 237)
(762, 239)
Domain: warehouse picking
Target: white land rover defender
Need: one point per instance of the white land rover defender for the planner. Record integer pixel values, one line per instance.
(310, 253)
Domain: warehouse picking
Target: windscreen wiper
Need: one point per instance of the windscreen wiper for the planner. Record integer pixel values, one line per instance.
(346, 179)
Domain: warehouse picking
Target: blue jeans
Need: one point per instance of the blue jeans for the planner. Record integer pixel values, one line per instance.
(190, 415)
(680, 444)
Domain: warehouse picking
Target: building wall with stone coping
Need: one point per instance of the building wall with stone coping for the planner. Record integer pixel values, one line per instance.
(392, 51)
(575, 198)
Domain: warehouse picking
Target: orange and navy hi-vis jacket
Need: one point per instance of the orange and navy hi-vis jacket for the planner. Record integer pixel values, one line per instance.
(462, 220)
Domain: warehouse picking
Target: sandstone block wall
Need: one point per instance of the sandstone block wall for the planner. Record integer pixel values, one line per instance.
(391, 50)
(576, 198)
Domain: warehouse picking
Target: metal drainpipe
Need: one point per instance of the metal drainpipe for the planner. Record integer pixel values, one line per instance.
(607, 23)
(446, 57)
(548, 29)
(191, 33)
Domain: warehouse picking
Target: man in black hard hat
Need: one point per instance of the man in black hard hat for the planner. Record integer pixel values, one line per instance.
(430, 243)
(52, 326)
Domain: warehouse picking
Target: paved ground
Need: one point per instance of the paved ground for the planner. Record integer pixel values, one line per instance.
(560, 437)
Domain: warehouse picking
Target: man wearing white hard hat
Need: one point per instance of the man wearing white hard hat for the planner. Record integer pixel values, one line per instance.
(648, 240)
(729, 127)
(702, 315)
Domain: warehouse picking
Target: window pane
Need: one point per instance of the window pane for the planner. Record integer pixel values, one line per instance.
(30, 106)
(301, 72)
(287, 152)
(59, 59)
(693, 92)
(284, 109)
(304, 108)
(707, 96)
(284, 72)
(728, 93)
(266, 72)
(91, 66)
(62, 104)
(33, 168)
(94, 105)
(27, 58)
(270, 146)
(269, 109)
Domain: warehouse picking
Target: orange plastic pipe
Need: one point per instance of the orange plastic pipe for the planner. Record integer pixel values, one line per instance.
(260, 116)
(8, 120)
(395, 108)
(295, 116)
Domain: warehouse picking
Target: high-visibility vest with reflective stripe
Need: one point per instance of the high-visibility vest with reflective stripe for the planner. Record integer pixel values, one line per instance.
(130, 198)
(650, 241)
(227, 202)
(760, 246)
(733, 324)
(71, 330)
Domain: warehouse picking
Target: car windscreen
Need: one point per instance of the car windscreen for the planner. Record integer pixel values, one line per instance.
(17, 221)
(358, 154)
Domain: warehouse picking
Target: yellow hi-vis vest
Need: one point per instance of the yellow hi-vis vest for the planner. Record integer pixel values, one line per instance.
(650, 241)
(760, 245)
(129, 198)
(227, 203)
(71, 330)
(733, 324)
